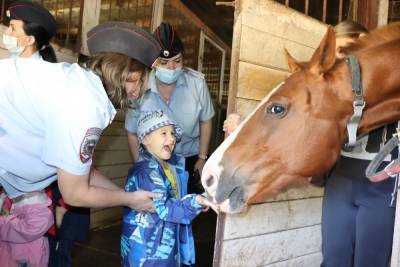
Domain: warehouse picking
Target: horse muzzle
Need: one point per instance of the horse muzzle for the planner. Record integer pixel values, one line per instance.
(225, 192)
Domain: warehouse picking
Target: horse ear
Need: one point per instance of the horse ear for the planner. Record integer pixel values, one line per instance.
(324, 57)
(292, 63)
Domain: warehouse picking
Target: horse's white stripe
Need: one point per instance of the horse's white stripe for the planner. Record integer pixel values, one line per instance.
(213, 165)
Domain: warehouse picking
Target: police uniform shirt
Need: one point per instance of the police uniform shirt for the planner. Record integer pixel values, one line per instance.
(190, 104)
(51, 116)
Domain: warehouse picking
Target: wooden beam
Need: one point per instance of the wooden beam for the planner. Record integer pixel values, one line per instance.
(234, 70)
(199, 23)
(90, 18)
(383, 12)
(340, 10)
(219, 3)
(372, 13)
(306, 6)
(158, 11)
(219, 240)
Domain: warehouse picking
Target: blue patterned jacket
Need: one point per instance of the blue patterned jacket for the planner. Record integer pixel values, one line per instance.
(163, 238)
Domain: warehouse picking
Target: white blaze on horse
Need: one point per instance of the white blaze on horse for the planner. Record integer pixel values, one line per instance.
(297, 131)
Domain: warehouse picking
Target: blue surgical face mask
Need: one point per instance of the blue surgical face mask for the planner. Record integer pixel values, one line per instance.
(168, 76)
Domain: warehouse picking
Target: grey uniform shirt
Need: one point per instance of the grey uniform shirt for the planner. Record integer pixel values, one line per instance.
(190, 104)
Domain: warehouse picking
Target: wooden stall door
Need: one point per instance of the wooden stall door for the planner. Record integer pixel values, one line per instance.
(285, 230)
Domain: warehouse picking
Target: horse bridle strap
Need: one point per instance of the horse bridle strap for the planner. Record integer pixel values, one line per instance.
(392, 169)
(358, 101)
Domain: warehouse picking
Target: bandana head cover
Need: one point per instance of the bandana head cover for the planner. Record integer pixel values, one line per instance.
(152, 120)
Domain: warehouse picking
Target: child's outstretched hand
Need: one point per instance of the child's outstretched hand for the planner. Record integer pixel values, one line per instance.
(232, 122)
(206, 203)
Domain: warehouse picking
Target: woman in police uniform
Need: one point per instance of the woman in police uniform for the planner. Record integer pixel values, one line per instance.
(49, 127)
(29, 32)
(183, 94)
(28, 36)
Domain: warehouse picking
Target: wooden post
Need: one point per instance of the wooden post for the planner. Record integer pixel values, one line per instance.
(158, 11)
(233, 77)
(372, 13)
(90, 18)
(383, 12)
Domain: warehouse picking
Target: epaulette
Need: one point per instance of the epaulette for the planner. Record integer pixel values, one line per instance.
(193, 73)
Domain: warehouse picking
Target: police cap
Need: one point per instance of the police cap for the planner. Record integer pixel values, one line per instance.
(124, 38)
(31, 12)
(170, 43)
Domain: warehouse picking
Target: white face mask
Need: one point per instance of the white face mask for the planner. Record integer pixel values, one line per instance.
(11, 44)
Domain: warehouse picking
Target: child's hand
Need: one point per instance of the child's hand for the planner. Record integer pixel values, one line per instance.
(232, 122)
(206, 203)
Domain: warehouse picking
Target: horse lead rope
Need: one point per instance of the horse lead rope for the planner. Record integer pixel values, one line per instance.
(392, 169)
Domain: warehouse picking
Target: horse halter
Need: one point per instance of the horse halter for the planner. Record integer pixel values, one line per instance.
(358, 102)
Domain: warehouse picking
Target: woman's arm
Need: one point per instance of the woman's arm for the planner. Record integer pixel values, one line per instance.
(78, 191)
(205, 136)
(99, 180)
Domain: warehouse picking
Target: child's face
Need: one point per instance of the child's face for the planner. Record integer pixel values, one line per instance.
(161, 142)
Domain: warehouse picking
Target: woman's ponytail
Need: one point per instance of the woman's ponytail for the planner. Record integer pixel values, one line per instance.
(42, 41)
(48, 54)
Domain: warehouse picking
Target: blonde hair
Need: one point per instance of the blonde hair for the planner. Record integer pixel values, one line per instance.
(349, 29)
(113, 69)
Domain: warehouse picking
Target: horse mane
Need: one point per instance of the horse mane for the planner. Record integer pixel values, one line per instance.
(378, 36)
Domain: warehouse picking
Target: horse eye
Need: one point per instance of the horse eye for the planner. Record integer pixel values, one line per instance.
(276, 109)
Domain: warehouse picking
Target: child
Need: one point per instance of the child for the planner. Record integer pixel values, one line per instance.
(22, 229)
(163, 238)
(71, 224)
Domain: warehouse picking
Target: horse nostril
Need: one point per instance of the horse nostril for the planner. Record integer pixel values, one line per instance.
(210, 180)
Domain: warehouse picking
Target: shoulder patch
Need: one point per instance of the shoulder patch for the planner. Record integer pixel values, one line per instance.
(193, 73)
(89, 143)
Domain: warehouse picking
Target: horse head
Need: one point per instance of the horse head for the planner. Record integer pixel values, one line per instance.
(295, 132)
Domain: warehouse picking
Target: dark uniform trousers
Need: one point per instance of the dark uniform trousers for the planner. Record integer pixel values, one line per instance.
(357, 220)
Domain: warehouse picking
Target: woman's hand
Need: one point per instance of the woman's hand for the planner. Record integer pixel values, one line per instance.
(232, 122)
(142, 201)
(199, 165)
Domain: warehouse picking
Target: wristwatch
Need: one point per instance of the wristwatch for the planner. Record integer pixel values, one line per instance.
(203, 157)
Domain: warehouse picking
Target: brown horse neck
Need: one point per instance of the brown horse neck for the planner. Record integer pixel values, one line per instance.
(381, 82)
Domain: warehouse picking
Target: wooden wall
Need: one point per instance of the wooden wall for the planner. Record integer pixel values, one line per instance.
(284, 231)
(113, 160)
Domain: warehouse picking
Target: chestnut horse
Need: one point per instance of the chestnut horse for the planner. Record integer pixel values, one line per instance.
(297, 131)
